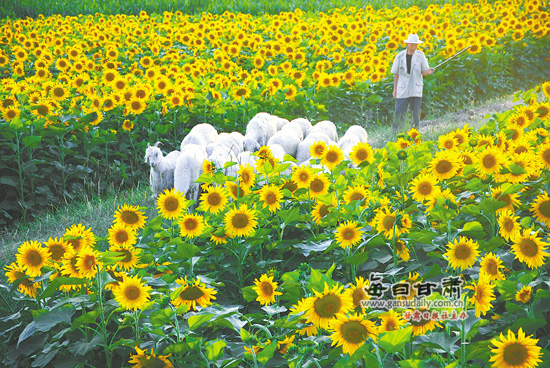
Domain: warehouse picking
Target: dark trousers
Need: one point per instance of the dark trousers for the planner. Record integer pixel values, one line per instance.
(401, 107)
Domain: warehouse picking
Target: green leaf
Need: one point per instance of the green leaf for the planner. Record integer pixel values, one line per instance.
(506, 288)
(245, 335)
(394, 341)
(491, 205)
(214, 349)
(187, 250)
(312, 246)
(249, 294)
(528, 325)
(411, 363)
(359, 258)
(161, 317)
(317, 281)
(109, 257)
(89, 317)
(82, 347)
(197, 320)
(57, 282)
(32, 141)
(267, 353)
(290, 215)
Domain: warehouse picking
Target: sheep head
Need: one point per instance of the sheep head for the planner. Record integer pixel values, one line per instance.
(153, 154)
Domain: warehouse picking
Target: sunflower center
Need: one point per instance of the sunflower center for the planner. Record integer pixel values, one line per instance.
(443, 167)
(240, 220)
(317, 186)
(479, 294)
(34, 258)
(191, 224)
(425, 188)
(356, 197)
(171, 204)
(528, 247)
(505, 198)
(489, 161)
(270, 198)
(266, 288)
(214, 199)
(462, 251)
(132, 292)
(546, 156)
(122, 236)
(327, 306)
(89, 261)
(491, 267)
(332, 156)
(388, 222)
(515, 354)
(304, 176)
(359, 295)
(192, 293)
(354, 332)
(390, 325)
(544, 209)
(348, 234)
(323, 211)
(361, 154)
(127, 255)
(508, 224)
(319, 150)
(241, 92)
(136, 105)
(57, 252)
(151, 362)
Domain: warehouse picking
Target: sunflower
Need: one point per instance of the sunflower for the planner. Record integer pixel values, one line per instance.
(462, 253)
(522, 166)
(57, 248)
(515, 352)
(285, 344)
(529, 249)
(402, 250)
(218, 238)
(322, 308)
(121, 235)
(423, 324)
(68, 267)
(524, 295)
(445, 164)
(191, 225)
(130, 256)
(541, 208)
(348, 234)
(424, 188)
(15, 272)
(510, 199)
(390, 321)
(361, 152)
(240, 222)
(490, 161)
(302, 176)
(320, 210)
(351, 332)
(130, 216)
(448, 141)
(391, 223)
(214, 199)
(143, 359)
(240, 93)
(132, 293)
(11, 113)
(317, 149)
(193, 294)
(88, 262)
(31, 257)
(171, 204)
(543, 154)
(357, 291)
(237, 191)
(265, 288)
(319, 185)
(78, 236)
(483, 294)
(508, 225)
(246, 176)
(490, 266)
(271, 196)
(356, 193)
(332, 157)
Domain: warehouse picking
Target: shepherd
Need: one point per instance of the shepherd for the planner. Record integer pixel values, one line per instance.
(409, 66)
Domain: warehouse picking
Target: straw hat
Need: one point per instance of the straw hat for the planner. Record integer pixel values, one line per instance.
(413, 38)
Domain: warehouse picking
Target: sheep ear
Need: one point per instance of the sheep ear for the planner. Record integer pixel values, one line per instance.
(157, 144)
(148, 145)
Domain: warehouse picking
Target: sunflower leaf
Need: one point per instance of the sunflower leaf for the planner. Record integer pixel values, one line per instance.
(267, 353)
(393, 341)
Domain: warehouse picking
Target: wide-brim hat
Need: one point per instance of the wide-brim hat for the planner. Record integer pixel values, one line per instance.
(413, 38)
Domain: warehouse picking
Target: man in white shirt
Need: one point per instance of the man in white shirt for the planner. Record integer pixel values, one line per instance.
(409, 66)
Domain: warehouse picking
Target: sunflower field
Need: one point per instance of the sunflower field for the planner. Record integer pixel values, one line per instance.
(296, 269)
(80, 96)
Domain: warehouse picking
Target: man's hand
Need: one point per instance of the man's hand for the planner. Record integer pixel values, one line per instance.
(428, 72)
(394, 94)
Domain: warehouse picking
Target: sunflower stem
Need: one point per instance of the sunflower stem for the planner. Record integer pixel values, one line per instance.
(103, 320)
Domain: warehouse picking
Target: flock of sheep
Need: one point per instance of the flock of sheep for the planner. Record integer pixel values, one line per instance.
(181, 169)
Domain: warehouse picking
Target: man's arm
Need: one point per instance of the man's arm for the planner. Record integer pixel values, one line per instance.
(428, 71)
(395, 79)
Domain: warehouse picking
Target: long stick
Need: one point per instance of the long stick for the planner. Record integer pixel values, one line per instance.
(452, 57)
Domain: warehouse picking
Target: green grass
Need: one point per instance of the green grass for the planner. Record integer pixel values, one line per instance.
(32, 8)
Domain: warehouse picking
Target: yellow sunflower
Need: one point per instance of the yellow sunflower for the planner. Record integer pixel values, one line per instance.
(320, 210)
(15, 272)
(424, 188)
(391, 223)
(448, 141)
(130, 254)
(271, 196)
(390, 321)
(31, 257)
(462, 253)
(508, 224)
(510, 199)
(317, 149)
(120, 234)
(357, 291)
(285, 344)
(445, 164)
(319, 185)
(332, 157)
(237, 191)
(214, 199)
(135, 106)
(348, 234)
(483, 294)
(131, 216)
(490, 161)
(240, 222)
(193, 294)
(171, 204)
(57, 248)
(423, 324)
(543, 154)
(143, 359)
(302, 176)
(132, 293)
(191, 225)
(524, 295)
(266, 289)
(356, 193)
(78, 236)
(515, 352)
(323, 308)
(490, 266)
(88, 262)
(529, 249)
(522, 166)
(69, 265)
(361, 152)
(246, 176)
(351, 332)
(541, 208)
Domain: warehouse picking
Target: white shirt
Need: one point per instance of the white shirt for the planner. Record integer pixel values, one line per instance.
(409, 85)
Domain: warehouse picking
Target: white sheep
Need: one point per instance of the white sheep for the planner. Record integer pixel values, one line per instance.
(304, 124)
(259, 129)
(247, 158)
(302, 153)
(279, 153)
(287, 140)
(161, 176)
(201, 134)
(293, 129)
(326, 127)
(222, 155)
(234, 141)
(355, 134)
(188, 169)
(279, 122)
